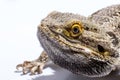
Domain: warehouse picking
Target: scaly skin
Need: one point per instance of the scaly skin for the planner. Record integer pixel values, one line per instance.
(83, 45)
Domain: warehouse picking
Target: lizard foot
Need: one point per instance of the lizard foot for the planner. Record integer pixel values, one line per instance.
(31, 66)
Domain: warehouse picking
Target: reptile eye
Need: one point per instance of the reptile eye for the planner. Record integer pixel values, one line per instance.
(76, 30)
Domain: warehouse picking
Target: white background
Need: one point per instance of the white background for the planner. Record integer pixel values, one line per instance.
(18, 27)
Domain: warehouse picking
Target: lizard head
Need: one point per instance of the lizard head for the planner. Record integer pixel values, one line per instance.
(76, 44)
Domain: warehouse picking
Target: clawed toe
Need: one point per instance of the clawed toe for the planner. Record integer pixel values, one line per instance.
(31, 66)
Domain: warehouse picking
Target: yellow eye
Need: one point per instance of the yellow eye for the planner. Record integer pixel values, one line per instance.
(73, 29)
(76, 30)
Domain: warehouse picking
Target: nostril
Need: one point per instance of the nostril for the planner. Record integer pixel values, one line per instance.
(100, 48)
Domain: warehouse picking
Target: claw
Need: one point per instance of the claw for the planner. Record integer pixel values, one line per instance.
(31, 66)
(18, 66)
(38, 67)
(35, 66)
(26, 66)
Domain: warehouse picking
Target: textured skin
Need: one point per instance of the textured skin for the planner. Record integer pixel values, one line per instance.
(101, 28)
(94, 52)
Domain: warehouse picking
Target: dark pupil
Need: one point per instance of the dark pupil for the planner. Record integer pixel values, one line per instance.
(75, 30)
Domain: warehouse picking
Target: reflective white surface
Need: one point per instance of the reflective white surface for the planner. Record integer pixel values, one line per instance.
(18, 26)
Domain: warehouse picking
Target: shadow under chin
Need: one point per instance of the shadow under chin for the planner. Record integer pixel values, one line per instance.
(62, 74)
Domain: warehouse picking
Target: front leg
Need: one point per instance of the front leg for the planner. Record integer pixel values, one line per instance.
(35, 66)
